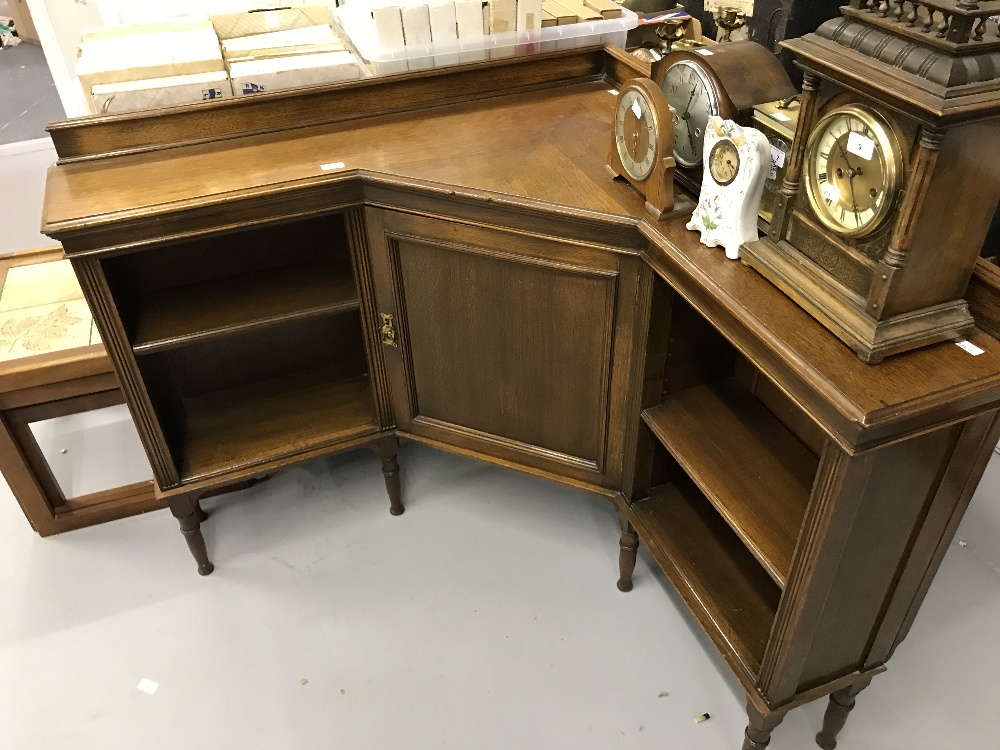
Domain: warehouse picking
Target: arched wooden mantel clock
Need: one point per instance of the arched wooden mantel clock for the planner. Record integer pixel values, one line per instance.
(642, 148)
(894, 173)
(721, 80)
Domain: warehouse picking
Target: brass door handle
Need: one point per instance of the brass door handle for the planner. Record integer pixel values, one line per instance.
(387, 331)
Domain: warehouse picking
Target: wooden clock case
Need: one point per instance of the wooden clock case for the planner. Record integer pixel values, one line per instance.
(744, 74)
(658, 188)
(901, 287)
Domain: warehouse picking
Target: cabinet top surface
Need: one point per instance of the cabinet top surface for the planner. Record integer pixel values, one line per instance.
(546, 147)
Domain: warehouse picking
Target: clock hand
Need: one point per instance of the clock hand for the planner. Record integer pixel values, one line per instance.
(690, 99)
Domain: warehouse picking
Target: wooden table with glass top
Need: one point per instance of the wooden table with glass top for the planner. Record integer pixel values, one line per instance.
(53, 364)
(470, 278)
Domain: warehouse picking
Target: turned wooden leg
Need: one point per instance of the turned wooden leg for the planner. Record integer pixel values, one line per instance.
(188, 513)
(758, 732)
(629, 548)
(841, 704)
(199, 512)
(387, 450)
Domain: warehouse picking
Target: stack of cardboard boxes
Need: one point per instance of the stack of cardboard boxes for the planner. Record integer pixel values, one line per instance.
(155, 65)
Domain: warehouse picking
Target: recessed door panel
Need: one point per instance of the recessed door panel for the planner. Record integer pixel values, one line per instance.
(506, 345)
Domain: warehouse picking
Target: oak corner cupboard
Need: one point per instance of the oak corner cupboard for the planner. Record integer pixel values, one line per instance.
(518, 306)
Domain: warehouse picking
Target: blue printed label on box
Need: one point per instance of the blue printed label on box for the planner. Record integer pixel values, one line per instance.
(252, 88)
(211, 94)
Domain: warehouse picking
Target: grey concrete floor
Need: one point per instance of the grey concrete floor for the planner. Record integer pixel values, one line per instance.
(484, 617)
(28, 97)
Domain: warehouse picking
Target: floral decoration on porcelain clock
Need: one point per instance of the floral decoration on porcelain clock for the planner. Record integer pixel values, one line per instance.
(737, 162)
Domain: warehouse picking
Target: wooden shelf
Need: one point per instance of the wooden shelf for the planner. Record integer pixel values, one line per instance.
(755, 472)
(183, 315)
(727, 590)
(272, 418)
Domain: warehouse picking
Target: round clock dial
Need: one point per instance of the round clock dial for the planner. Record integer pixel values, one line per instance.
(635, 134)
(724, 162)
(693, 98)
(853, 171)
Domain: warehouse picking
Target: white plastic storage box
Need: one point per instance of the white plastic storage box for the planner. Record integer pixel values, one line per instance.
(373, 30)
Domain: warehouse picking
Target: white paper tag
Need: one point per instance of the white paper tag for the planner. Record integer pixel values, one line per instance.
(636, 109)
(613, 92)
(781, 117)
(831, 192)
(777, 162)
(271, 19)
(861, 145)
(971, 348)
(705, 52)
(332, 165)
(147, 686)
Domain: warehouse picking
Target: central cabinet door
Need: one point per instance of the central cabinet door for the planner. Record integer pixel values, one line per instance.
(507, 345)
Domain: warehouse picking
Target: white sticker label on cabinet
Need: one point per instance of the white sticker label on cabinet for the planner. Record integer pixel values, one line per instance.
(332, 165)
(613, 92)
(705, 52)
(861, 145)
(781, 117)
(971, 348)
(636, 109)
(147, 686)
(831, 192)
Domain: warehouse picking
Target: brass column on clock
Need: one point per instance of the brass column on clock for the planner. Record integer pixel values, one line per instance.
(894, 174)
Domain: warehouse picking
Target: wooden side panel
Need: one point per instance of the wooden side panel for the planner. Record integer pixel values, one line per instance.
(903, 482)
(95, 289)
(361, 260)
(874, 522)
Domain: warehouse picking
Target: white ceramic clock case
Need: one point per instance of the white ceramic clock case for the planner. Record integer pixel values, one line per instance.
(726, 214)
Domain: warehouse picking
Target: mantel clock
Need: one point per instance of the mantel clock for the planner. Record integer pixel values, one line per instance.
(894, 173)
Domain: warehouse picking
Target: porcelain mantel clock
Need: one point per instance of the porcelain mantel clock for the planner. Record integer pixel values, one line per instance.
(737, 162)
(894, 173)
(643, 146)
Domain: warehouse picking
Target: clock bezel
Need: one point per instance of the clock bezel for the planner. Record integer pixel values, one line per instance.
(714, 99)
(654, 138)
(889, 143)
(711, 156)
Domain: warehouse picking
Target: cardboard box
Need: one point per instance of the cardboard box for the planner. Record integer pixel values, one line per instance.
(308, 35)
(606, 8)
(161, 54)
(417, 33)
(307, 41)
(109, 98)
(275, 74)
(263, 21)
(444, 29)
(503, 20)
(389, 31)
(469, 18)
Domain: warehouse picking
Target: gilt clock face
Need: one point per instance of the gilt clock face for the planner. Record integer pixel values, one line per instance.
(693, 98)
(852, 171)
(724, 162)
(636, 134)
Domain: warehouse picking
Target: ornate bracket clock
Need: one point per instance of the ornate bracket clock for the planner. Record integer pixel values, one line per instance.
(894, 174)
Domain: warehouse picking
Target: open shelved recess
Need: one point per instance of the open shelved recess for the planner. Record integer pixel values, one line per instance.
(246, 367)
(732, 466)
